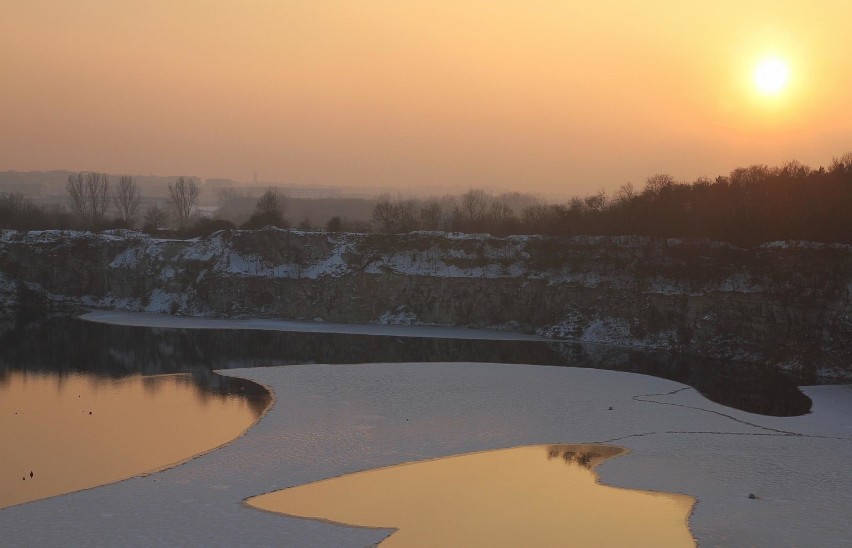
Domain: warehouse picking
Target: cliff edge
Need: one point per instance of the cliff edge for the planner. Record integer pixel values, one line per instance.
(785, 304)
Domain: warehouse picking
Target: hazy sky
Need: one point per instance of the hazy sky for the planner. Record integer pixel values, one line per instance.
(544, 96)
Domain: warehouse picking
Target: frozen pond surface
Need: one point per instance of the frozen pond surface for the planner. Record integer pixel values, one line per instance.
(330, 420)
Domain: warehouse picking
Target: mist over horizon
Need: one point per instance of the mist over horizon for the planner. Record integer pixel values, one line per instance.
(422, 97)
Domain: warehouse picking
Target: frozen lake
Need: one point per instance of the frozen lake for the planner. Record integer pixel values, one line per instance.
(330, 420)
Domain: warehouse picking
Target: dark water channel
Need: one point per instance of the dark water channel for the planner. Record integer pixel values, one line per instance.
(65, 345)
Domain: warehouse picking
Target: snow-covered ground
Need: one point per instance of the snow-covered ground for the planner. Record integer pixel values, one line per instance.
(145, 319)
(330, 420)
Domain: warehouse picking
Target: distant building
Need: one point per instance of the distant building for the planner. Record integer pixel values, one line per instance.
(304, 192)
(313, 191)
(218, 184)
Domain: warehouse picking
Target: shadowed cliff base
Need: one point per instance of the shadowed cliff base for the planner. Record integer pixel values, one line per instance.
(63, 344)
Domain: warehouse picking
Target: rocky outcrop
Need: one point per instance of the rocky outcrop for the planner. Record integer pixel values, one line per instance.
(785, 304)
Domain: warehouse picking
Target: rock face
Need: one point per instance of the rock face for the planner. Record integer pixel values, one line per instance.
(785, 304)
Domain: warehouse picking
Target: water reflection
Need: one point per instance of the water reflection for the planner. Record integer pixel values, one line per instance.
(585, 456)
(66, 432)
(511, 497)
(63, 344)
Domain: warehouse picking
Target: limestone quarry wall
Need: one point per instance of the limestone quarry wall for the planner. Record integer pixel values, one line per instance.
(786, 304)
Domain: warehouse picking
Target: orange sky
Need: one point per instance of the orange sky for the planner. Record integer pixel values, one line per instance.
(546, 96)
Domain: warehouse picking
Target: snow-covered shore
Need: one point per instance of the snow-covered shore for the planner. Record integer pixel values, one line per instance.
(147, 319)
(330, 420)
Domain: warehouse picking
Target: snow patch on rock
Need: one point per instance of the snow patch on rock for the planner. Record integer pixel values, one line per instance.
(400, 316)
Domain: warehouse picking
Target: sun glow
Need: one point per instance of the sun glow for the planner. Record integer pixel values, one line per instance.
(771, 76)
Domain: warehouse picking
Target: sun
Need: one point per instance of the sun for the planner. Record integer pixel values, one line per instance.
(771, 76)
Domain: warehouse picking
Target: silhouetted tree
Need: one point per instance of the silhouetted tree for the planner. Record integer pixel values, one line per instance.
(184, 195)
(751, 175)
(842, 164)
(386, 215)
(474, 203)
(155, 218)
(126, 197)
(394, 217)
(430, 215)
(269, 211)
(657, 183)
(20, 213)
(335, 224)
(596, 202)
(407, 216)
(89, 193)
(500, 220)
(12, 208)
(625, 194)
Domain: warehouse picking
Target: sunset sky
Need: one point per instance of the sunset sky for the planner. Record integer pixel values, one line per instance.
(553, 97)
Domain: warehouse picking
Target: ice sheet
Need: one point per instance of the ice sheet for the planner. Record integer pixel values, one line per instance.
(330, 420)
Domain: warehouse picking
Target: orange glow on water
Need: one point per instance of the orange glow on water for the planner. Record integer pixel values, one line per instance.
(525, 496)
(79, 431)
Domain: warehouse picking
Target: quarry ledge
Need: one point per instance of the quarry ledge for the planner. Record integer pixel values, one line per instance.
(785, 304)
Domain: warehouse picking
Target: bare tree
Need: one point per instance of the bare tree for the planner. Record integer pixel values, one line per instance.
(407, 214)
(474, 203)
(500, 213)
(596, 202)
(184, 193)
(576, 205)
(841, 164)
(625, 194)
(270, 203)
(126, 198)
(269, 210)
(89, 193)
(542, 218)
(76, 187)
(657, 183)
(500, 218)
(430, 215)
(386, 215)
(155, 218)
(750, 175)
(795, 170)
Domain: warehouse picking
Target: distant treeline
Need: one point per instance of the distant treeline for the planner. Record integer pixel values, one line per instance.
(21, 213)
(749, 206)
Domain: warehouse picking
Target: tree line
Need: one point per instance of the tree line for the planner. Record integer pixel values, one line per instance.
(91, 199)
(748, 206)
(90, 195)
